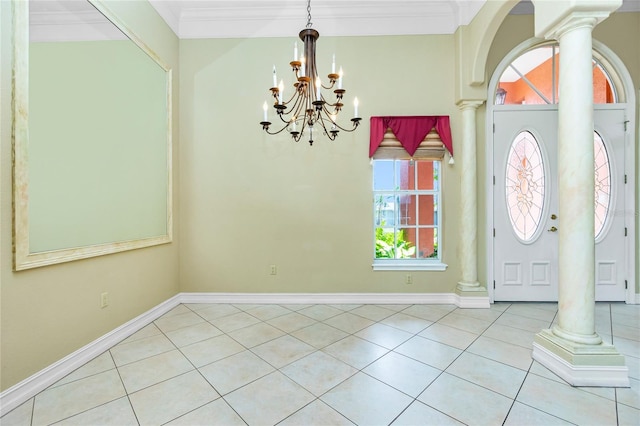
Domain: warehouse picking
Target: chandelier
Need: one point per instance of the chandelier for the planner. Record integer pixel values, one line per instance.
(308, 108)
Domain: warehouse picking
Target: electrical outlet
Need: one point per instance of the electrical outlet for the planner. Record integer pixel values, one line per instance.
(408, 279)
(274, 270)
(104, 300)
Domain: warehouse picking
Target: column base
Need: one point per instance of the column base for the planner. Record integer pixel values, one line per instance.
(472, 295)
(467, 286)
(581, 364)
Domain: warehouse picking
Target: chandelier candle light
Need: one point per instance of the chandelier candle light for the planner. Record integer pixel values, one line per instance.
(308, 108)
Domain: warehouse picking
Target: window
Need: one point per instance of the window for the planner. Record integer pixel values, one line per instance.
(533, 78)
(406, 208)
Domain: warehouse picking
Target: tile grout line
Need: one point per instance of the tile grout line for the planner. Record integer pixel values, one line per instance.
(125, 388)
(361, 370)
(515, 399)
(316, 349)
(316, 398)
(220, 396)
(615, 390)
(468, 381)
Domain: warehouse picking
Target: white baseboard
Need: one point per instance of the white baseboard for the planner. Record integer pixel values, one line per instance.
(338, 298)
(582, 375)
(31, 386)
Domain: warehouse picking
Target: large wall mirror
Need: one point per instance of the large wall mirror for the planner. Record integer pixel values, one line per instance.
(92, 135)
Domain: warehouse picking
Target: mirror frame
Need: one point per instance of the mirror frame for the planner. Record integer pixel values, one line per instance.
(23, 258)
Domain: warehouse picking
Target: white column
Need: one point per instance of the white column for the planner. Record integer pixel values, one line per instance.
(571, 348)
(468, 228)
(576, 260)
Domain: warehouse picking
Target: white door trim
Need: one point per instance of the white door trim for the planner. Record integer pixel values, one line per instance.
(620, 76)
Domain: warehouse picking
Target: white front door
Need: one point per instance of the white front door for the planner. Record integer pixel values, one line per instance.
(526, 200)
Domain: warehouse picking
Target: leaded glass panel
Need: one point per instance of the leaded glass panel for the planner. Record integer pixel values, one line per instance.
(525, 185)
(602, 183)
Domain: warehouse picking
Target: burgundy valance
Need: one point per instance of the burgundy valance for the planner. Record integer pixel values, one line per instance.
(410, 131)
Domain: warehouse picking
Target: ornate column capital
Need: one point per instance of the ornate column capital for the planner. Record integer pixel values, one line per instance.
(464, 104)
(555, 18)
(575, 21)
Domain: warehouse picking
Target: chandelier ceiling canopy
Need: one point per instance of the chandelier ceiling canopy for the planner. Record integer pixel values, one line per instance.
(307, 110)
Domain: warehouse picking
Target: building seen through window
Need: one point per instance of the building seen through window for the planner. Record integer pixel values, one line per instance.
(406, 209)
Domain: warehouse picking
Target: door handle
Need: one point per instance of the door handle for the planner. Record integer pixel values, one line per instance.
(552, 229)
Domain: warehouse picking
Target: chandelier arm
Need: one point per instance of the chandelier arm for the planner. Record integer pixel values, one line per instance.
(300, 98)
(332, 81)
(282, 119)
(291, 98)
(326, 110)
(356, 123)
(276, 132)
(297, 107)
(336, 112)
(285, 103)
(280, 111)
(330, 134)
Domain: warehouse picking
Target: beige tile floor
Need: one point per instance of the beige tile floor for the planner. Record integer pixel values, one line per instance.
(223, 364)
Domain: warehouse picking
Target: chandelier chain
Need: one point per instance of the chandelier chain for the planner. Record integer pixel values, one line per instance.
(309, 14)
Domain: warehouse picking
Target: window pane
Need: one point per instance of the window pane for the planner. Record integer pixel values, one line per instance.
(385, 211)
(603, 183)
(385, 243)
(406, 210)
(528, 79)
(525, 185)
(428, 243)
(602, 87)
(405, 174)
(427, 177)
(426, 210)
(383, 175)
(406, 243)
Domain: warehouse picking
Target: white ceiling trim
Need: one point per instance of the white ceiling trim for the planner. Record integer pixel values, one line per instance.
(282, 18)
(59, 21)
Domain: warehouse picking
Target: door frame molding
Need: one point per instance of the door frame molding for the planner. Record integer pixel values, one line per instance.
(625, 89)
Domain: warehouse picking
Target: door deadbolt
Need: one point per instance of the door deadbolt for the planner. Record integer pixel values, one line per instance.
(554, 217)
(552, 229)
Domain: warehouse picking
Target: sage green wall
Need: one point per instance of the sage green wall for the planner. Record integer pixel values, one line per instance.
(620, 33)
(49, 312)
(251, 200)
(97, 144)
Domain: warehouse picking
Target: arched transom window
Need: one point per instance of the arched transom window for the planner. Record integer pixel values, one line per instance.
(532, 78)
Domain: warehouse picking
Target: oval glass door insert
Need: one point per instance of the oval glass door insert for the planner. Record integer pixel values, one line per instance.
(525, 185)
(603, 183)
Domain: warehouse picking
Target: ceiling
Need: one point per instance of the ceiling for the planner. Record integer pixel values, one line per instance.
(69, 20)
(64, 20)
(282, 18)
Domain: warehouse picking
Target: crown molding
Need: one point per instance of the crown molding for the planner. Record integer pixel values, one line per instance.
(278, 18)
(58, 21)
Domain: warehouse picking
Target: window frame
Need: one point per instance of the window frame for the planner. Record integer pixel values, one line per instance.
(409, 264)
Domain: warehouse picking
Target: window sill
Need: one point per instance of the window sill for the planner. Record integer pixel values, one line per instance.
(408, 265)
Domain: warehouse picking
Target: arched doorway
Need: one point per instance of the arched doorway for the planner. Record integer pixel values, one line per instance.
(522, 170)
